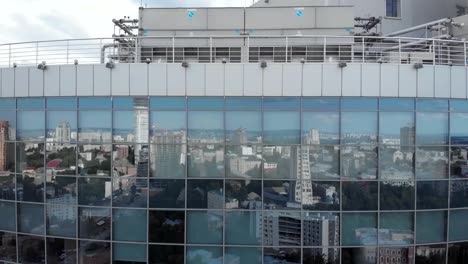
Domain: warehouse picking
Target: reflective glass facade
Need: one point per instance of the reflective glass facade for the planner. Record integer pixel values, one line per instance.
(233, 180)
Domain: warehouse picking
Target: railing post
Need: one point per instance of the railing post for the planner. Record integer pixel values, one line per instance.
(247, 59)
(136, 50)
(324, 49)
(68, 46)
(399, 51)
(363, 46)
(211, 49)
(173, 49)
(287, 44)
(9, 55)
(464, 52)
(352, 51)
(37, 53)
(434, 53)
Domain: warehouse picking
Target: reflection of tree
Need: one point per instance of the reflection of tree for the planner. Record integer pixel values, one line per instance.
(91, 191)
(35, 159)
(92, 166)
(360, 196)
(67, 155)
(197, 192)
(167, 226)
(283, 170)
(167, 198)
(396, 197)
(317, 259)
(459, 198)
(239, 190)
(31, 191)
(432, 195)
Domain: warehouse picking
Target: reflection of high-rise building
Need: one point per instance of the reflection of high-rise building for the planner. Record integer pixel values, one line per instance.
(240, 136)
(141, 125)
(6, 150)
(313, 137)
(407, 138)
(62, 132)
(142, 165)
(168, 152)
(322, 230)
(303, 187)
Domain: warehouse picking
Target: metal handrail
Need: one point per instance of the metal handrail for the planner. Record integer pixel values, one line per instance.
(244, 48)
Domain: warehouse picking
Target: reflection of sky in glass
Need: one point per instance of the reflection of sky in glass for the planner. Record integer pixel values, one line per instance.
(251, 121)
(168, 120)
(95, 102)
(325, 122)
(243, 103)
(389, 104)
(459, 105)
(320, 104)
(459, 124)
(61, 103)
(9, 116)
(392, 122)
(431, 128)
(95, 120)
(124, 120)
(359, 122)
(277, 121)
(205, 103)
(54, 118)
(7, 103)
(167, 102)
(205, 120)
(31, 123)
(430, 227)
(359, 104)
(281, 103)
(432, 105)
(31, 103)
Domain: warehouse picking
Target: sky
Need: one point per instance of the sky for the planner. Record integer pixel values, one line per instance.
(31, 20)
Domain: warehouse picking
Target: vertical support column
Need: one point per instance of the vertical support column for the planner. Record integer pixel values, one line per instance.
(324, 49)
(287, 44)
(173, 49)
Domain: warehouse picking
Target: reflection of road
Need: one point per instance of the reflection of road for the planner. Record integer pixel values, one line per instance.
(127, 198)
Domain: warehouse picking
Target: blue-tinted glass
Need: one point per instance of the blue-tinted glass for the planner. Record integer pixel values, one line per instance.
(280, 162)
(458, 194)
(31, 103)
(205, 227)
(459, 128)
(281, 127)
(289, 255)
(61, 126)
(397, 128)
(333, 226)
(459, 105)
(94, 250)
(31, 125)
(243, 103)
(61, 103)
(432, 105)
(293, 220)
(359, 229)
(205, 103)
(34, 245)
(129, 225)
(206, 127)
(281, 103)
(61, 220)
(320, 128)
(130, 102)
(88, 216)
(431, 226)
(129, 253)
(167, 122)
(359, 104)
(7, 103)
(124, 126)
(8, 247)
(31, 218)
(432, 162)
(390, 104)
(95, 102)
(95, 126)
(241, 228)
(8, 219)
(243, 127)
(321, 104)
(8, 118)
(244, 255)
(359, 127)
(457, 225)
(360, 195)
(396, 228)
(396, 162)
(432, 128)
(204, 255)
(167, 102)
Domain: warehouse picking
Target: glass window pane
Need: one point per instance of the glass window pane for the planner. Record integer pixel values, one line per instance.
(244, 255)
(205, 103)
(205, 161)
(457, 225)
(31, 125)
(61, 220)
(166, 254)
(30, 187)
(245, 194)
(7, 103)
(320, 128)
(397, 128)
(389, 104)
(130, 191)
(61, 250)
(244, 161)
(8, 246)
(281, 127)
(282, 255)
(61, 190)
(359, 127)
(167, 227)
(324, 161)
(94, 159)
(431, 162)
(206, 127)
(314, 224)
(8, 219)
(31, 103)
(321, 255)
(367, 255)
(123, 219)
(8, 122)
(396, 195)
(7, 187)
(35, 248)
(459, 162)
(199, 255)
(359, 104)
(7, 161)
(458, 253)
(281, 103)
(95, 126)
(31, 218)
(61, 159)
(432, 128)
(242, 227)
(459, 129)
(130, 102)
(124, 126)
(95, 102)
(93, 251)
(94, 223)
(396, 228)
(432, 105)
(168, 127)
(205, 194)
(432, 194)
(279, 162)
(431, 254)
(168, 102)
(458, 194)
(167, 193)
(360, 195)
(243, 127)
(459, 105)
(359, 229)
(61, 103)
(396, 162)
(94, 191)
(168, 160)
(280, 195)
(204, 227)
(30, 158)
(129, 253)
(243, 103)
(281, 228)
(320, 195)
(321, 104)
(359, 162)
(431, 226)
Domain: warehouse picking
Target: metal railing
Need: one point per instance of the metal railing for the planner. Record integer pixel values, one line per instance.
(237, 49)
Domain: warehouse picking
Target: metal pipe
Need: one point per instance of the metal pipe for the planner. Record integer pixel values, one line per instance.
(411, 29)
(409, 44)
(103, 50)
(123, 27)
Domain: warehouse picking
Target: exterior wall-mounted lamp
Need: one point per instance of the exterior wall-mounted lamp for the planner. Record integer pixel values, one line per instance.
(75, 62)
(110, 64)
(342, 64)
(418, 66)
(263, 64)
(185, 64)
(42, 66)
(15, 65)
(148, 60)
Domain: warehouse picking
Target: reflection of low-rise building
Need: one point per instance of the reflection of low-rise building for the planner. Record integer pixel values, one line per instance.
(241, 165)
(322, 230)
(389, 255)
(216, 200)
(58, 207)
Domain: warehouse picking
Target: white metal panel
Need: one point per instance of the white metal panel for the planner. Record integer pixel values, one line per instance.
(22, 82)
(102, 80)
(331, 85)
(253, 80)
(176, 79)
(84, 80)
(52, 81)
(268, 18)
(157, 79)
(292, 79)
(233, 79)
(138, 79)
(120, 84)
(370, 79)
(335, 17)
(36, 82)
(458, 82)
(214, 76)
(352, 80)
(273, 80)
(426, 81)
(8, 82)
(442, 81)
(389, 80)
(195, 79)
(407, 81)
(68, 80)
(225, 18)
(312, 80)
